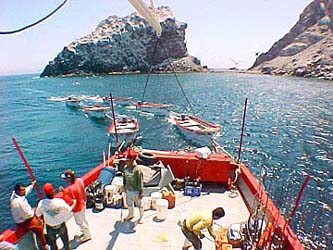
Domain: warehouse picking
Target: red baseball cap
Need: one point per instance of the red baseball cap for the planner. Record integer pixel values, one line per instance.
(48, 189)
(131, 155)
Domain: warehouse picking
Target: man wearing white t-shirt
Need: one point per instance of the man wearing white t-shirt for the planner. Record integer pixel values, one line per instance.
(56, 212)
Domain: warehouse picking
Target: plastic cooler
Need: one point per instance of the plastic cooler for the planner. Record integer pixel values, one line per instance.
(192, 190)
(106, 175)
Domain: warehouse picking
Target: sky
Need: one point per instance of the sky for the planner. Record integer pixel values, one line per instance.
(220, 33)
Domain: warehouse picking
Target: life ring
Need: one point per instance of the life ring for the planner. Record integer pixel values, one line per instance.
(147, 158)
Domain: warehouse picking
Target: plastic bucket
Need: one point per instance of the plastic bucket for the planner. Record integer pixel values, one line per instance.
(118, 182)
(109, 192)
(146, 203)
(117, 201)
(99, 204)
(155, 196)
(161, 207)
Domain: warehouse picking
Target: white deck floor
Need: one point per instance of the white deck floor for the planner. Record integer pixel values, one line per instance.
(108, 232)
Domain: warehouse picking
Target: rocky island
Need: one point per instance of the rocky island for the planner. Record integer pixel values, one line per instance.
(307, 49)
(128, 44)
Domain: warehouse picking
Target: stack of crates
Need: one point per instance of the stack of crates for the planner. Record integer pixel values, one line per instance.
(192, 188)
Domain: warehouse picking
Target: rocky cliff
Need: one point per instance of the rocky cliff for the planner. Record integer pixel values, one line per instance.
(307, 49)
(127, 44)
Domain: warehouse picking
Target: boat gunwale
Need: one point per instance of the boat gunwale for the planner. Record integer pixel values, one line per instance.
(292, 242)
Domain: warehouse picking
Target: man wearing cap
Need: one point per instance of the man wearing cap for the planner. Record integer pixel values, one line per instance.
(196, 222)
(23, 215)
(133, 186)
(76, 191)
(56, 212)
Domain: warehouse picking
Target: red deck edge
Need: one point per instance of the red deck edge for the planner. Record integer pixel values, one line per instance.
(292, 243)
(273, 213)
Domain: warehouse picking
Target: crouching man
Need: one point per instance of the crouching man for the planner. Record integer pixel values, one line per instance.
(196, 222)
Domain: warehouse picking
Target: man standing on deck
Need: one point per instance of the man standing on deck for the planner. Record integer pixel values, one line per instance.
(133, 186)
(75, 190)
(56, 212)
(197, 221)
(23, 215)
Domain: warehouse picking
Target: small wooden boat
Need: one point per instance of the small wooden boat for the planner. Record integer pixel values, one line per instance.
(73, 102)
(120, 100)
(194, 128)
(154, 108)
(124, 128)
(96, 111)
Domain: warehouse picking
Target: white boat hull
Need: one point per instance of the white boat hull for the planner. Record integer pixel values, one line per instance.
(96, 114)
(200, 139)
(73, 104)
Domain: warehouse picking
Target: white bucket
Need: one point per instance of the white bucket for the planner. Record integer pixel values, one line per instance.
(161, 207)
(146, 203)
(99, 204)
(118, 181)
(109, 191)
(155, 196)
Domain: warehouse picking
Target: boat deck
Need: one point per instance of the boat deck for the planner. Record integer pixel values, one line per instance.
(109, 232)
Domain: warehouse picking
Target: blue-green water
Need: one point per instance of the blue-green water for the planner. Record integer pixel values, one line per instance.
(289, 129)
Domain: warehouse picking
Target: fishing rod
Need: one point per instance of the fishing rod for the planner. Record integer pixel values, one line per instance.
(32, 177)
(257, 200)
(298, 199)
(114, 121)
(265, 208)
(288, 222)
(242, 131)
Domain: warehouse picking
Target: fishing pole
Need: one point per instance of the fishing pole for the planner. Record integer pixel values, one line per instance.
(258, 195)
(32, 177)
(288, 222)
(242, 132)
(114, 121)
(298, 199)
(265, 208)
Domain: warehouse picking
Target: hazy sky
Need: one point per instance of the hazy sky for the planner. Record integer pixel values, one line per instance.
(218, 30)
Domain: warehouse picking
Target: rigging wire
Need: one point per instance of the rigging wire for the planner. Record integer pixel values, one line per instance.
(149, 71)
(177, 79)
(35, 23)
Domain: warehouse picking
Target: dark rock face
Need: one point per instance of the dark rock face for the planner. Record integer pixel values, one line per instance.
(307, 50)
(127, 44)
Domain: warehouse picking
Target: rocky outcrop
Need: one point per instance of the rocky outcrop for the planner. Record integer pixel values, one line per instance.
(127, 44)
(307, 49)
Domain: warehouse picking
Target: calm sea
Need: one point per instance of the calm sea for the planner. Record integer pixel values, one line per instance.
(289, 129)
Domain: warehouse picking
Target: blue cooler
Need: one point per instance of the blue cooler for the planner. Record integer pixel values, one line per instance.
(188, 190)
(196, 191)
(106, 175)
